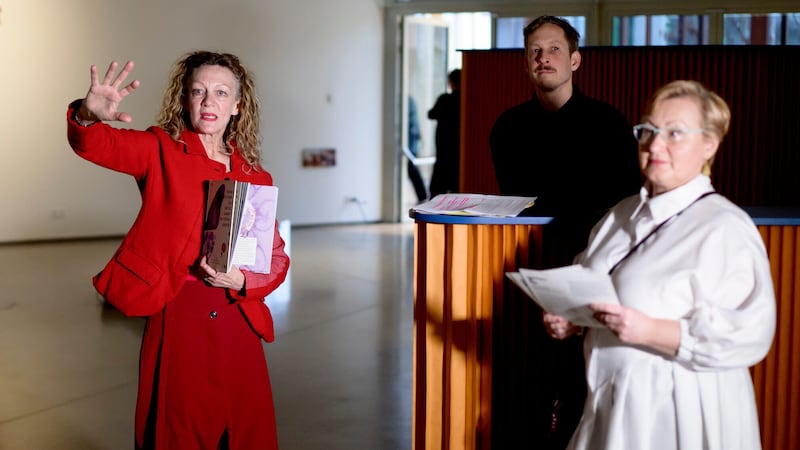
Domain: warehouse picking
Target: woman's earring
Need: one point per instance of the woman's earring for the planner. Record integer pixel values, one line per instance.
(706, 169)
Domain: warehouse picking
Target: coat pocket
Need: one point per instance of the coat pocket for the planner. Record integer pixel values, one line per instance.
(139, 266)
(130, 283)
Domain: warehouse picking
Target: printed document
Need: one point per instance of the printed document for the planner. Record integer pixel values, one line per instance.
(567, 291)
(476, 205)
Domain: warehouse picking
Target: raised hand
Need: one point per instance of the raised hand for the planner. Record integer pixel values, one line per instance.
(103, 99)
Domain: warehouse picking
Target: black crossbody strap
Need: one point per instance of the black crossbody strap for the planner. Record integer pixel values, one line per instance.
(639, 244)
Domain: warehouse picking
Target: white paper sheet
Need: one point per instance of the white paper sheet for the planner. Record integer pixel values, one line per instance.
(567, 291)
(476, 205)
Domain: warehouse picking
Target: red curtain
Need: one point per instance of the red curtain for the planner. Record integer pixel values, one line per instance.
(758, 160)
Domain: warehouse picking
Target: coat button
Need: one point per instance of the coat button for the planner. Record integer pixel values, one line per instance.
(213, 315)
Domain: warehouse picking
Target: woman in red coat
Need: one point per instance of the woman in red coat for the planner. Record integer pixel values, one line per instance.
(203, 379)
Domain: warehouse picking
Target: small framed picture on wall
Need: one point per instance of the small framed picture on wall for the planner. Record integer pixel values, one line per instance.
(319, 157)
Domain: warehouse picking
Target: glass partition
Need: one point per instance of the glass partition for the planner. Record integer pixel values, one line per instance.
(509, 30)
(669, 29)
(761, 29)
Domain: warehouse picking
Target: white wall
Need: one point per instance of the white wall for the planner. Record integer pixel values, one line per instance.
(317, 66)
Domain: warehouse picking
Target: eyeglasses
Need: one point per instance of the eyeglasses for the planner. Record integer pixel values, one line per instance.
(644, 133)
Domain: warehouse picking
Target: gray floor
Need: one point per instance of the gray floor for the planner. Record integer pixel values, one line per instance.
(340, 365)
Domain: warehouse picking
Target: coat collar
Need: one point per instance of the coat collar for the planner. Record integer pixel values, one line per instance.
(192, 145)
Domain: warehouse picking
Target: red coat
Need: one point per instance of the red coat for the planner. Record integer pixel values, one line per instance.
(194, 336)
(163, 245)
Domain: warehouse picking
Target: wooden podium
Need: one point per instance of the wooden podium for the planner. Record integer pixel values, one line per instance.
(473, 330)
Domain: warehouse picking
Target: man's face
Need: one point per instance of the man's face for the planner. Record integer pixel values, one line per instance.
(550, 64)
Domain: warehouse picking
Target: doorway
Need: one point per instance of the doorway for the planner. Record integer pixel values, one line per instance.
(431, 49)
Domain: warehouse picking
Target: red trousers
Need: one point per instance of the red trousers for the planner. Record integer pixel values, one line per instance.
(202, 376)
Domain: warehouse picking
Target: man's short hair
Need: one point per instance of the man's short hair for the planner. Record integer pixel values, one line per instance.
(571, 33)
(454, 78)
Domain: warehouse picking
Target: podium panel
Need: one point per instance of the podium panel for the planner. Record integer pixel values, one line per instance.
(474, 333)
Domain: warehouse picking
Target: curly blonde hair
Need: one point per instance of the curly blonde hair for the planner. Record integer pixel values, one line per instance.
(243, 130)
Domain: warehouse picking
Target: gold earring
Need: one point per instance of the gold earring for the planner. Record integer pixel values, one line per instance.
(706, 169)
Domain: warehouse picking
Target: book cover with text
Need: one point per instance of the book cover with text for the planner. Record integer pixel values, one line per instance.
(239, 225)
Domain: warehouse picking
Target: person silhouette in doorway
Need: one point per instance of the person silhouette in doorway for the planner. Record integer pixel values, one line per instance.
(414, 139)
(447, 113)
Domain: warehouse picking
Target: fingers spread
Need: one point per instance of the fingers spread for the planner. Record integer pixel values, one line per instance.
(124, 117)
(129, 88)
(93, 74)
(123, 74)
(110, 72)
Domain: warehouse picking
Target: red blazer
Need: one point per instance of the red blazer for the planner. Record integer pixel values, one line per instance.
(163, 245)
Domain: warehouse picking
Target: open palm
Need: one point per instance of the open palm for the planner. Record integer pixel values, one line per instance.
(103, 99)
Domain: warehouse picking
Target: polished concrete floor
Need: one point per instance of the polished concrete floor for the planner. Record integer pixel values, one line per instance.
(340, 364)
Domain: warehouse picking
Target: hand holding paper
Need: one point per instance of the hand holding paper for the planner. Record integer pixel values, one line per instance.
(559, 327)
(567, 291)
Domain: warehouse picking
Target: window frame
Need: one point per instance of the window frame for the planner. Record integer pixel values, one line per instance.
(715, 15)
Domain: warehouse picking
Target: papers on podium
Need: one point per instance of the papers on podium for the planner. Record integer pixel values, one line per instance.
(239, 225)
(567, 291)
(475, 205)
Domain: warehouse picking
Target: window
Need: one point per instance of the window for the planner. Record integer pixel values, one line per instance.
(761, 29)
(509, 30)
(660, 30)
(738, 29)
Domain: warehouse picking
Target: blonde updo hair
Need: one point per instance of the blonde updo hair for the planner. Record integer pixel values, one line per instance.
(715, 112)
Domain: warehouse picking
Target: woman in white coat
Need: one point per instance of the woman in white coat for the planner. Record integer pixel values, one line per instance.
(669, 369)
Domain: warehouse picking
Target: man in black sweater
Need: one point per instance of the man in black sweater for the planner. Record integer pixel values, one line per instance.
(578, 156)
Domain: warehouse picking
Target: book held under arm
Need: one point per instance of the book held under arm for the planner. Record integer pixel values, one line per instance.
(239, 225)
(567, 291)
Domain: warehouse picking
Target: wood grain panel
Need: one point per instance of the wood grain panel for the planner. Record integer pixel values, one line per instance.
(777, 378)
(472, 332)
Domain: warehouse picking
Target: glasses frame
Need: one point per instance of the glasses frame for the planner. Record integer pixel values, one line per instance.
(664, 132)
